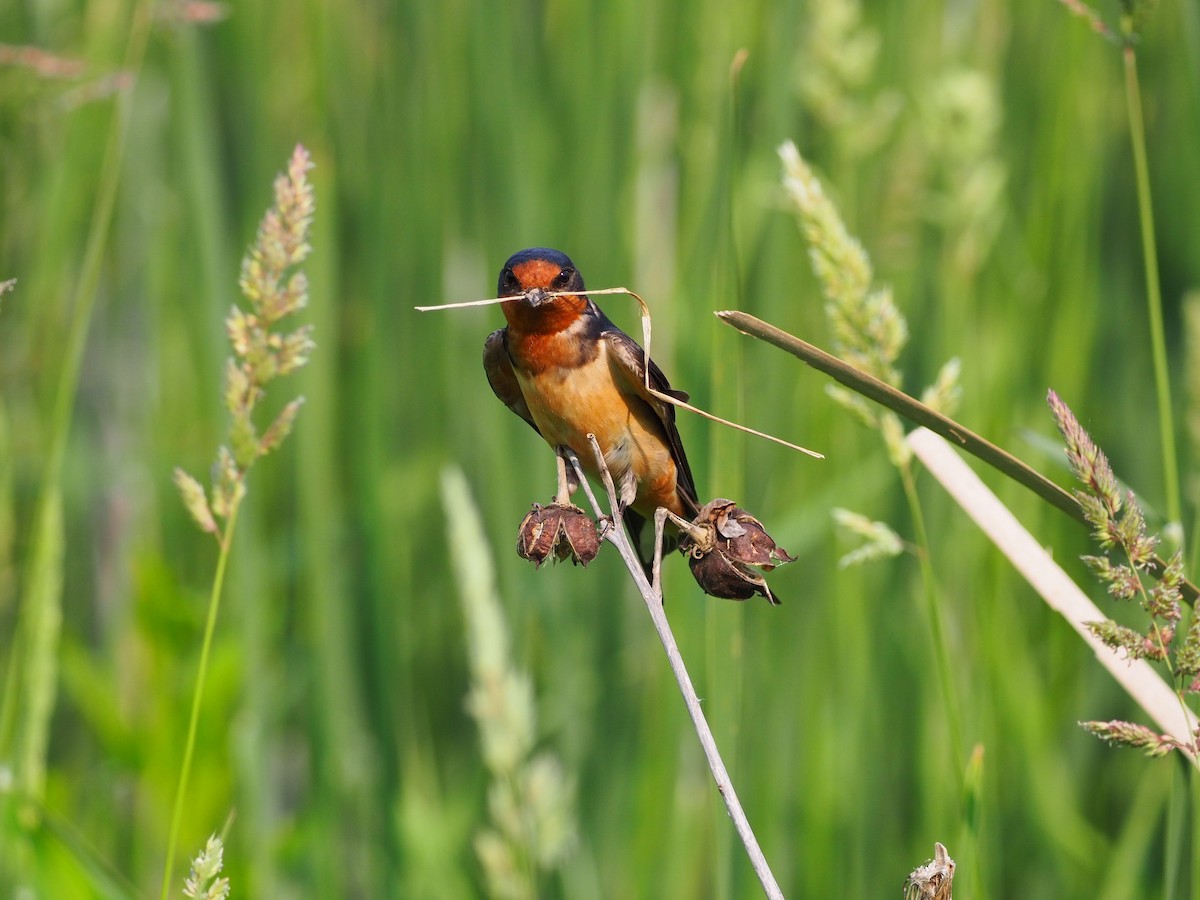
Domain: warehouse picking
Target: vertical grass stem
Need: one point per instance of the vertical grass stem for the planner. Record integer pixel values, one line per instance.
(938, 632)
(185, 768)
(1162, 383)
(41, 611)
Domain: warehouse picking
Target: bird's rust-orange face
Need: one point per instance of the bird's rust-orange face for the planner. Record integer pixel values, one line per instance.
(550, 316)
(536, 273)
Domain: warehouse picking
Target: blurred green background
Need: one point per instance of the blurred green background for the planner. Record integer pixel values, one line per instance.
(980, 151)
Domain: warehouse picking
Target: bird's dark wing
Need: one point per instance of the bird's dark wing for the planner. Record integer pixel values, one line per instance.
(629, 363)
(500, 375)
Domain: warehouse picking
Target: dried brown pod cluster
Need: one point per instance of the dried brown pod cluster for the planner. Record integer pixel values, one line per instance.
(729, 549)
(559, 530)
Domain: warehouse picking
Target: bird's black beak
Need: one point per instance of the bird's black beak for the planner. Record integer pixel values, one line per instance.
(537, 296)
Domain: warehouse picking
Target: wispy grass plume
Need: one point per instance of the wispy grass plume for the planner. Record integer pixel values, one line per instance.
(879, 540)
(869, 330)
(262, 352)
(961, 119)
(531, 798)
(839, 62)
(205, 882)
(1119, 526)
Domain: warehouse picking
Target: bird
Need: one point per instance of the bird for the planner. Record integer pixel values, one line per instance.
(563, 366)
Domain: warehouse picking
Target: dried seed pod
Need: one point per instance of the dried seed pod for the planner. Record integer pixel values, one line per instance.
(745, 539)
(718, 576)
(736, 541)
(581, 542)
(564, 532)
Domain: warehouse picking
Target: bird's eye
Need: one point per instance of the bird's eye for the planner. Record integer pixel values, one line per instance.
(563, 277)
(509, 280)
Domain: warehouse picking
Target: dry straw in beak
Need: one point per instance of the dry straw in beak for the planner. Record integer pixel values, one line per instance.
(646, 326)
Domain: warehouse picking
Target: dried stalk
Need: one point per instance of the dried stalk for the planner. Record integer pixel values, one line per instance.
(934, 880)
(654, 603)
(920, 414)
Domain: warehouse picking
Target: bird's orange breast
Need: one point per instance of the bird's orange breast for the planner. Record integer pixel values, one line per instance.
(584, 396)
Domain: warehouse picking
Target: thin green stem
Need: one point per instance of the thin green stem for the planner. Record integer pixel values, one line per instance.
(941, 653)
(210, 627)
(8, 706)
(1193, 560)
(1175, 827)
(1162, 383)
(41, 611)
(933, 610)
(1194, 794)
(85, 293)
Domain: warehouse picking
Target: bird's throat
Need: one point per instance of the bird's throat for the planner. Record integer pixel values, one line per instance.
(545, 318)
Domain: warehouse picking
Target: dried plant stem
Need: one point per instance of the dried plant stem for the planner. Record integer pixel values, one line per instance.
(646, 333)
(654, 603)
(210, 627)
(906, 406)
(1162, 382)
(917, 412)
(934, 880)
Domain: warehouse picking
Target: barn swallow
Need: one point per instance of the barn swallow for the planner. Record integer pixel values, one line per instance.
(567, 370)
